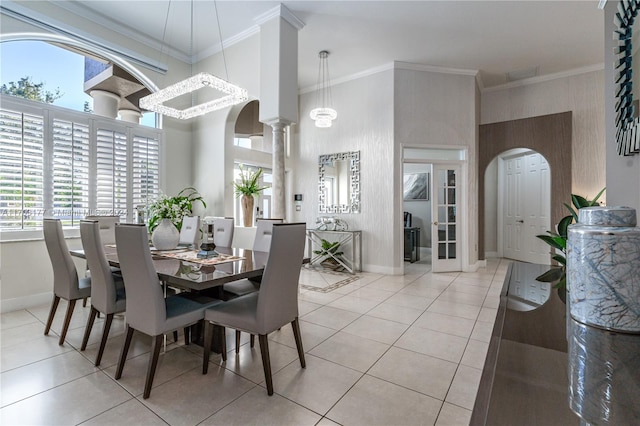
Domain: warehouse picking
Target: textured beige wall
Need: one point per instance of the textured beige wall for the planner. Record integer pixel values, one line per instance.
(440, 109)
(583, 95)
(365, 124)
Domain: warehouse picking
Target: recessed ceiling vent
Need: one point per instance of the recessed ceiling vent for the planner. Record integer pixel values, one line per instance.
(522, 74)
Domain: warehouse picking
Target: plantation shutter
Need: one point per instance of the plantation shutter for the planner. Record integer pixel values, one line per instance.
(111, 173)
(70, 171)
(145, 170)
(21, 170)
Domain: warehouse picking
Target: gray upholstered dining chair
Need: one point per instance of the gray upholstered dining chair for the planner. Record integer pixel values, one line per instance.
(261, 242)
(107, 227)
(275, 305)
(190, 231)
(107, 288)
(66, 283)
(148, 311)
(223, 232)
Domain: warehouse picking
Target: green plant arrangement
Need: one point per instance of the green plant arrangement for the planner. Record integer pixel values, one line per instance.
(558, 241)
(247, 188)
(173, 208)
(329, 251)
(248, 184)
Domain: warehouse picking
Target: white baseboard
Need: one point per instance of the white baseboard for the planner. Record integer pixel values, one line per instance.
(17, 303)
(386, 270)
(475, 266)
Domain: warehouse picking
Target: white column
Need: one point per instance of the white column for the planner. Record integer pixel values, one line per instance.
(130, 115)
(279, 89)
(105, 103)
(278, 204)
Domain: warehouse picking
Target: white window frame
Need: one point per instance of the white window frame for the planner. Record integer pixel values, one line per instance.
(49, 113)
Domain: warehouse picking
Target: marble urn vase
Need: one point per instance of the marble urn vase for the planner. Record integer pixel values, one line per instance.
(165, 236)
(603, 268)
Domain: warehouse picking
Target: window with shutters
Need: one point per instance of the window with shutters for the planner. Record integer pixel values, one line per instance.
(65, 164)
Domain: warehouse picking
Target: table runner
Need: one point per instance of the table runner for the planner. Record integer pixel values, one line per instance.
(192, 256)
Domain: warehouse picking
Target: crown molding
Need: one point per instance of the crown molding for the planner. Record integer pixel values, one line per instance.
(361, 74)
(543, 78)
(210, 51)
(395, 65)
(280, 11)
(431, 68)
(78, 9)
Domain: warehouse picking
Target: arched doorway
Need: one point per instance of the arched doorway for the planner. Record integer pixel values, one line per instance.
(549, 135)
(517, 206)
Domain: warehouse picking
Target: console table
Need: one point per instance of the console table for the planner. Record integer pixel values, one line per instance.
(350, 243)
(544, 369)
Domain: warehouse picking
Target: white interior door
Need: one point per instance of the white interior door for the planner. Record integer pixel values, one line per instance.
(445, 235)
(526, 208)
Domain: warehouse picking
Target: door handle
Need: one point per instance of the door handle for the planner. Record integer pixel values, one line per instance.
(435, 223)
(520, 221)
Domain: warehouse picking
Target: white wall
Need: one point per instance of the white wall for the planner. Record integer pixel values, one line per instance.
(365, 124)
(583, 94)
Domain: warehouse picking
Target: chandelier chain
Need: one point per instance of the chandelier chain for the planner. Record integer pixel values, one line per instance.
(224, 59)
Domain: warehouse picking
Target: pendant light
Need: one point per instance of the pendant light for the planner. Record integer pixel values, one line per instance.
(323, 114)
(232, 94)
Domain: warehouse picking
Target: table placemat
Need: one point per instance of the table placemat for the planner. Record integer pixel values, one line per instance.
(192, 256)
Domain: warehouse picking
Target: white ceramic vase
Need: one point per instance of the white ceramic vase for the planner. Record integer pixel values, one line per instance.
(165, 236)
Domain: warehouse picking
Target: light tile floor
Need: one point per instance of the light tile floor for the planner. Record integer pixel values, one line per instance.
(387, 350)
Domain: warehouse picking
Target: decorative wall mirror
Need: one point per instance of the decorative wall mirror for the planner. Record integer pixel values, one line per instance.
(339, 183)
(627, 121)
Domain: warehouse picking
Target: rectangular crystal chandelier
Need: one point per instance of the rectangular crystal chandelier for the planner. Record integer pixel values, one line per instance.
(155, 101)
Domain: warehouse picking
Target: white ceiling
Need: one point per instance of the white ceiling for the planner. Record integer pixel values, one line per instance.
(493, 37)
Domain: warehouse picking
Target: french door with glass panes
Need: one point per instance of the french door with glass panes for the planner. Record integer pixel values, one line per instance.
(445, 235)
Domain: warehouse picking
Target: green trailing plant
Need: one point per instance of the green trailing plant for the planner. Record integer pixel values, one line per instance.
(329, 250)
(173, 208)
(249, 182)
(558, 241)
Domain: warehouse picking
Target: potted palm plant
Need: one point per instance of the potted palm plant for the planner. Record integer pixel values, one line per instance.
(558, 242)
(247, 188)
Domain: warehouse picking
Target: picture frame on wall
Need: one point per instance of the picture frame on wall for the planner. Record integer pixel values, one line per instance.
(416, 187)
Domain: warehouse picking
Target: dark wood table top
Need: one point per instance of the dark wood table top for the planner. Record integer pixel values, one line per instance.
(195, 276)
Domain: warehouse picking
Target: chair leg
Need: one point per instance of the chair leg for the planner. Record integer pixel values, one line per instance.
(67, 321)
(52, 313)
(87, 329)
(156, 344)
(266, 362)
(223, 344)
(175, 336)
(123, 352)
(208, 337)
(296, 334)
(187, 335)
(105, 335)
(237, 341)
(84, 302)
(252, 338)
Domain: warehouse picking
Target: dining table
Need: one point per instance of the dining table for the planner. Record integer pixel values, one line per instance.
(180, 268)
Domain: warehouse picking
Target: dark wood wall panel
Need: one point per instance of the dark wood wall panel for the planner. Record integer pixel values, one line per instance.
(550, 135)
